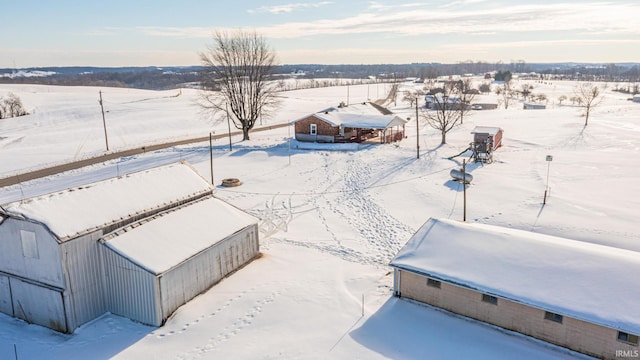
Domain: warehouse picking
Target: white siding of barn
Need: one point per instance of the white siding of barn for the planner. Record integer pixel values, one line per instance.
(81, 258)
(130, 290)
(198, 273)
(6, 305)
(38, 304)
(31, 279)
(39, 261)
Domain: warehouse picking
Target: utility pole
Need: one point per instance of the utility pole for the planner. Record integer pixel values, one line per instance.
(211, 155)
(289, 140)
(417, 130)
(229, 125)
(347, 95)
(464, 190)
(104, 123)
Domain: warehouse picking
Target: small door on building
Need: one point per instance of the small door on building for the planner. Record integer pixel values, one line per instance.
(5, 296)
(38, 305)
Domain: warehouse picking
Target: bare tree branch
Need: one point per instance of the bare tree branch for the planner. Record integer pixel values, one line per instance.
(588, 96)
(236, 78)
(445, 113)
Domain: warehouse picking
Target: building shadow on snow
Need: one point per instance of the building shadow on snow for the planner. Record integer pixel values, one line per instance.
(102, 338)
(404, 329)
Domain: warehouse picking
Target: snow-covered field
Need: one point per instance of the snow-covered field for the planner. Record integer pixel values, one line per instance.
(331, 220)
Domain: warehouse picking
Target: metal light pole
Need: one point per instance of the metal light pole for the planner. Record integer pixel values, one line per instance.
(549, 160)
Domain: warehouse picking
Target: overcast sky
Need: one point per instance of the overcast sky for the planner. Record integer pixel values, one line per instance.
(167, 33)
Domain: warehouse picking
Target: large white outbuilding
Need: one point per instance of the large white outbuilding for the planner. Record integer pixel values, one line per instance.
(579, 295)
(139, 245)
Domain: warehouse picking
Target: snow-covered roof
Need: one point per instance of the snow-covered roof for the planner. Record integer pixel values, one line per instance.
(486, 130)
(372, 121)
(364, 116)
(77, 210)
(168, 240)
(591, 282)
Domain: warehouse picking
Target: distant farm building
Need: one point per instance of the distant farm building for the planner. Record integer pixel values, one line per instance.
(574, 294)
(352, 123)
(484, 106)
(439, 102)
(533, 106)
(636, 98)
(139, 246)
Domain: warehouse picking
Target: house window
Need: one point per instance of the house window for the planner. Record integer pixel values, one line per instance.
(433, 283)
(628, 338)
(490, 299)
(313, 130)
(553, 317)
(29, 244)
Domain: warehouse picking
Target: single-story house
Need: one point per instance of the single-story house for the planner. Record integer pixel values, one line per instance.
(574, 294)
(352, 123)
(438, 102)
(139, 245)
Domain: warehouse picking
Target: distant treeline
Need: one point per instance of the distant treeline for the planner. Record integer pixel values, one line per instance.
(161, 78)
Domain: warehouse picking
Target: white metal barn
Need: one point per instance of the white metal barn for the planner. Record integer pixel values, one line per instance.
(139, 246)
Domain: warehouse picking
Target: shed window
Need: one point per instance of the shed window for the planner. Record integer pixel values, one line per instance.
(553, 317)
(433, 283)
(29, 244)
(490, 299)
(628, 338)
(313, 129)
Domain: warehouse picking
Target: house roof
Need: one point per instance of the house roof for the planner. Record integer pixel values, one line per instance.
(485, 130)
(85, 208)
(178, 235)
(363, 116)
(590, 282)
(371, 121)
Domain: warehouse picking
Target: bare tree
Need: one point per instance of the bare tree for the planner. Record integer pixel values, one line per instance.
(485, 88)
(464, 89)
(412, 96)
(540, 97)
(562, 98)
(11, 106)
(588, 96)
(236, 78)
(445, 113)
(526, 91)
(505, 93)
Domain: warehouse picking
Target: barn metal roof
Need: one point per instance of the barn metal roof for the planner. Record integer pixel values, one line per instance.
(75, 211)
(162, 242)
